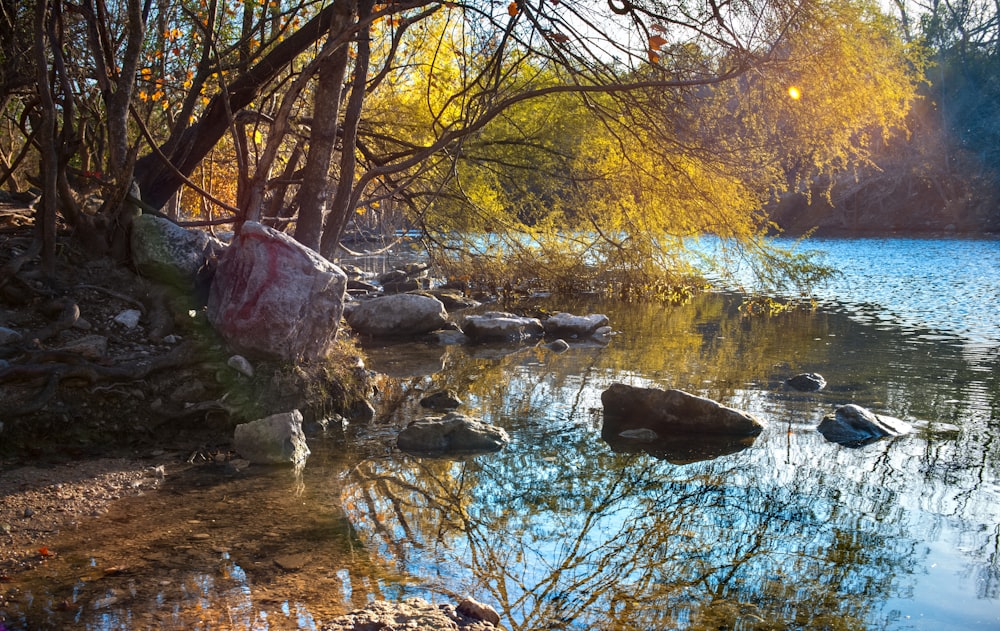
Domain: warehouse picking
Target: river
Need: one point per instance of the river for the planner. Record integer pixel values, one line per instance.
(561, 530)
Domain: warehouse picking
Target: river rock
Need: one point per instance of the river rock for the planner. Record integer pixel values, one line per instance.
(453, 300)
(671, 412)
(276, 439)
(852, 425)
(9, 336)
(558, 346)
(443, 400)
(406, 285)
(168, 253)
(807, 382)
(574, 326)
(414, 614)
(501, 326)
(452, 434)
(398, 315)
(274, 297)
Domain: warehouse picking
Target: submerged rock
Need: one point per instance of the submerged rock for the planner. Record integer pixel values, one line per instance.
(852, 425)
(453, 434)
(671, 413)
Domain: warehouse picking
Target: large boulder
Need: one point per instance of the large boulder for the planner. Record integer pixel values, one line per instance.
(452, 434)
(274, 297)
(574, 326)
(501, 326)
(853, 426)
(671, 413)
(398, 315)
(276, 439)
(168, 253)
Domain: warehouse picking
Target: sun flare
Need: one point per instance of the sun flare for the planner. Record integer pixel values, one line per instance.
(794, 93)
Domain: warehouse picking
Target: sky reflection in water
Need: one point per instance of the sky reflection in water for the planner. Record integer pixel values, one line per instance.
(560, 530)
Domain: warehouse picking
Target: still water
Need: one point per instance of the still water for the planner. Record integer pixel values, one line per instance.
(563, 531)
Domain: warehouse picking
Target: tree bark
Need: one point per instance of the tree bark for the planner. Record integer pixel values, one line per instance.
(341, 207)
(189, 145)
(323, 135)
(45, 217)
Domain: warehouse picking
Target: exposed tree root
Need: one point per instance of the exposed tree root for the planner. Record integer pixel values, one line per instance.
(57, 367)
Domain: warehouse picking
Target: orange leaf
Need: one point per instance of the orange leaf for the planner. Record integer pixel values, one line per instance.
(653, 57)
(44, 551)
(656, 41)
(512, 9)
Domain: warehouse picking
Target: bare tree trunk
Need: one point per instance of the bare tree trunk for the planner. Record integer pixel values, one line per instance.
(323, 135)
(340, 209)
(45, 215)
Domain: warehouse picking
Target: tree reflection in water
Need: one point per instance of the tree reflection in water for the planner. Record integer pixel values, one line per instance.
(559, 531)
(579, 537)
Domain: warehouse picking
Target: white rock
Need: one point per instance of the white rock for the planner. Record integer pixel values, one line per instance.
(129, 318)
(240, 364)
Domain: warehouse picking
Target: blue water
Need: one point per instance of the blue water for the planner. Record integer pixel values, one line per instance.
(564, 530)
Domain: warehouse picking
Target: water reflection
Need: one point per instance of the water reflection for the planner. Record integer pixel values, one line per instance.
(564, 530)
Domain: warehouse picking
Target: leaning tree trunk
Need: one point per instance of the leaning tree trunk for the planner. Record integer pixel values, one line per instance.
(323, 135)
(188, 146)
(340, 209)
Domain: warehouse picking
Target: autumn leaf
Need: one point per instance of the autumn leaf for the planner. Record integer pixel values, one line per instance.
(45, 552)
(558, 37)
(512, 9)
(653, 57)
(656, 41)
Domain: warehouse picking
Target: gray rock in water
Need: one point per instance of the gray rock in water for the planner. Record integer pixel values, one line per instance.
(453, 300)
(569, 325)
(671, 413)
(502, 326)
(276, 439)
(416, 614)
(399, 315)
(453, 434)
(807, 382)
(274, 297)
(444, 400)
(166, 252)
(852, 425)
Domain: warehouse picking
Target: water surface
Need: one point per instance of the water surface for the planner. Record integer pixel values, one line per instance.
(563, 530)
